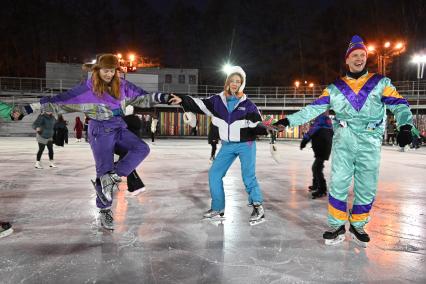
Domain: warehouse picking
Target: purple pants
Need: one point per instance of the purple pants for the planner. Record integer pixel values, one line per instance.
(104, 137)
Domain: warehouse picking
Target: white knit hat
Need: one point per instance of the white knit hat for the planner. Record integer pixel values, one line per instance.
(240, 71)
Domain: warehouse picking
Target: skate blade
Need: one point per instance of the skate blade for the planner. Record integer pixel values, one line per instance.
(107, 229)
(213, 218)
(6, 233)
(257, 222)
(335, 241)
(358, 242)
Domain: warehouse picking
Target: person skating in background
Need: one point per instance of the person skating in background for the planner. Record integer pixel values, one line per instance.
(321, 135)
(44, 127)
(391, 133)
(153, 129)
(359, 101)
(213, 139)
(135, 184)
(86, 127)
(78, 129)
(60, 134)
(237, 119)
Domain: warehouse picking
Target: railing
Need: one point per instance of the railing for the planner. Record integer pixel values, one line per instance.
(272, 97)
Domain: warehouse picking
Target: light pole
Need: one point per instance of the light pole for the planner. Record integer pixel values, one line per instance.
(385, 53)
(420, 60)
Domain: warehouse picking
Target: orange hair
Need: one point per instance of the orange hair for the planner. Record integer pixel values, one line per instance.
(100, 86)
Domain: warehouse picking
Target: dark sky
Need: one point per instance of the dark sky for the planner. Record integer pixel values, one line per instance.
(275, 41)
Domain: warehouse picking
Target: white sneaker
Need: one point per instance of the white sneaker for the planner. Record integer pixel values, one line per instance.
(136, 192)
(52, 164)
(38, 165)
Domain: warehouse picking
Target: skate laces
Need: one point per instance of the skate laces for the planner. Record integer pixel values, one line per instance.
(108, 215)
(360, 230)
(333, 229)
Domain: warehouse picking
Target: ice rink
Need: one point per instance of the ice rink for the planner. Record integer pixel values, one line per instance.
(159, 236)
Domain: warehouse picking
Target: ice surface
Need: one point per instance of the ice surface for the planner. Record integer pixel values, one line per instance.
(159, 235)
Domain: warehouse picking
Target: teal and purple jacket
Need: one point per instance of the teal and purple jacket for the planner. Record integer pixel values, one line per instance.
(358, 103)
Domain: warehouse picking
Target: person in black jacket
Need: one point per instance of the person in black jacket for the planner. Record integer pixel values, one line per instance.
(213, 139)
(135, 184)
(321, 134)
(60, 132)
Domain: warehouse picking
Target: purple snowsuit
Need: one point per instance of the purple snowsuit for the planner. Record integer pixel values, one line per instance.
(107, 129)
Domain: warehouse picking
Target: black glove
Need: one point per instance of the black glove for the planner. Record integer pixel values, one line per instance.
(404, 135)
(303, 143)
(284, 122)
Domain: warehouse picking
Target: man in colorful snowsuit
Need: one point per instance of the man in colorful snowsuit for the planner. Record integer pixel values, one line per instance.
(359, 101)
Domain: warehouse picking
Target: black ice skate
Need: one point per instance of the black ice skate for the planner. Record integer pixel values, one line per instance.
(5, 229)
(105, 216)
(359, 236)
(257, 216)
(335, 235)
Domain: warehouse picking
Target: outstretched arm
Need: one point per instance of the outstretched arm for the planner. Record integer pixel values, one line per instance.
(196, 105)
(307, 113)
(138, 97)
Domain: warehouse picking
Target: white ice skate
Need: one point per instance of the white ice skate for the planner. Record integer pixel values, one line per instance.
(257, 216)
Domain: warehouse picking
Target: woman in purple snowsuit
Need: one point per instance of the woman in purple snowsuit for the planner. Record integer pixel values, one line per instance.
(103, 99)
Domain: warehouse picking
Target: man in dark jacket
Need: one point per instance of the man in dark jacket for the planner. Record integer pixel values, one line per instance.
(321, 134)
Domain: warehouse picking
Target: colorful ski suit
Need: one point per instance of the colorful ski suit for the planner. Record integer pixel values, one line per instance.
(360, 110)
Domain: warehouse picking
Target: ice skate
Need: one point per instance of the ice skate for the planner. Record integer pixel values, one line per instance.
(214, 215)
(99, 193)
(109, 183)
(257, 216)
(137, 191)
(5, 229)
(38, 165)
(105, 216)
(334, 236)
(359, 236)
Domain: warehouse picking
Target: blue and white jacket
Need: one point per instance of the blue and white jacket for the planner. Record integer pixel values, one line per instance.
(238, 125)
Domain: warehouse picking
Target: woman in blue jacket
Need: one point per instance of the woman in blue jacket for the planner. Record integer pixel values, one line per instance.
(237, 119)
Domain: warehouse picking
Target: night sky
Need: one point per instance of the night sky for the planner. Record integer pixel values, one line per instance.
(276, 42)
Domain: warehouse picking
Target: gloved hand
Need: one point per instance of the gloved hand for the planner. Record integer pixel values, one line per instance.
(190, 118)
(404, 135)
(303, 143)
(284, 122)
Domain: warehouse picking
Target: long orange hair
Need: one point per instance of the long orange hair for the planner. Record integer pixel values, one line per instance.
(100, 86)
